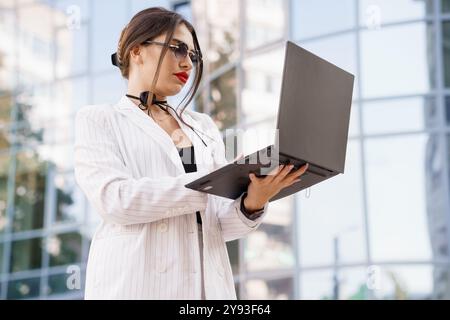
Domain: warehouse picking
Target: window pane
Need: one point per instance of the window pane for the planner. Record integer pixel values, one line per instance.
(8, 55)
(263, 289)
(447, 110)
(223, 100)
(69, 199)
(217, 27)
(340, 217)
(72, 10)
(310, 19)
(57, 284)
(265, 22)
(339, 50)
(316, 285)
(270, 246)
(262, 85)
(30, 191)
(405, 196)
(108, 88)
(233, 254)
(22, 289)
(445, 5)
(69, 96)
(375, 12)
(64, 248)
(71, 50)
(1, 257)
(138, 5)
(199, 104)
(4, 168)
(405, 282)
(339, 284)
(26, 255)
(446, 52)
(393, 116)
(397, 60)
(36, 46)
(106, 32)
(6, 105)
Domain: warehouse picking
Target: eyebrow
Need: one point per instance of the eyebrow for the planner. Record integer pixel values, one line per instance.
(180, 41)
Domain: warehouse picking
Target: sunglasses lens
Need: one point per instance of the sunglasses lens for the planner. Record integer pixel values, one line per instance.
(182, 51)
(194, 57)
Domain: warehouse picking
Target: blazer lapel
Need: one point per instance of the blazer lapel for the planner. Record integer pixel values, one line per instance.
(126, 107)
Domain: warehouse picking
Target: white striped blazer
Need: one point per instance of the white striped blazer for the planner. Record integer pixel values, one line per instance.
(146, 245)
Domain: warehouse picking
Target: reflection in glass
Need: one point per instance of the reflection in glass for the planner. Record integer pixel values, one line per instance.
(57, 123)
(217, 26)
(199, 104)
(108, 88)
(4, 168)
(374, 13)
(22, 289)
(106, 33)
(339, 50)
(405, 282)
(69, 200)
(398, 60)
(445, 5)
(57, 284)
(265, 22)
(223, 100)
(311, 19)
(35, 41)
(233, 254)
(447, 111)
(404, 195)
(30, 181)
(26, 254)
(270, 246)
(72, 50)
(265, 289)
(340, 218)
(262, 85)
(446, 52)
(64, 248)
(400, 115)
(338, 284)
(441, 282)
(6, 105)
(316, 285)
(1, 257)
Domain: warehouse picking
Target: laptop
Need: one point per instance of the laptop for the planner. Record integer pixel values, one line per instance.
(312, 127)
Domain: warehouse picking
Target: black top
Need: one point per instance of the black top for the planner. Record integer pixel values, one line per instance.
(188, 158)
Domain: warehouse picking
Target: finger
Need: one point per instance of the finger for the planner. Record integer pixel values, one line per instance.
(290, 183)
(297, 173)
(283, 173)
(252, 177)
(273, 173)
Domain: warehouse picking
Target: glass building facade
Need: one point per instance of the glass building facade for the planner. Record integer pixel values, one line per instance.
(380, 231)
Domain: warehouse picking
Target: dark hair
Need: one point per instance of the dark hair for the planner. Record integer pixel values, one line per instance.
(147, 25)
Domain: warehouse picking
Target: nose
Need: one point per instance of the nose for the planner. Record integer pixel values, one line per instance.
(186, 63)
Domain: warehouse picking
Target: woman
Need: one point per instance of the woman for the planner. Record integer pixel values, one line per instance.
(158, 239)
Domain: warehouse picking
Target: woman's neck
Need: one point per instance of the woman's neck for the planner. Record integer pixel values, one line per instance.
(136, 91)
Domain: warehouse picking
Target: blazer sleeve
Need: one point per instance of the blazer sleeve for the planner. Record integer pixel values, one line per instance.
(233, 221)
(107, 183)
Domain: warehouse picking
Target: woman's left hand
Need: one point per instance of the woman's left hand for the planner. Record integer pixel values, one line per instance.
(261, 190)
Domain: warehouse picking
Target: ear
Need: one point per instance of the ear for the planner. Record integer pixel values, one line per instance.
(136, 54)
